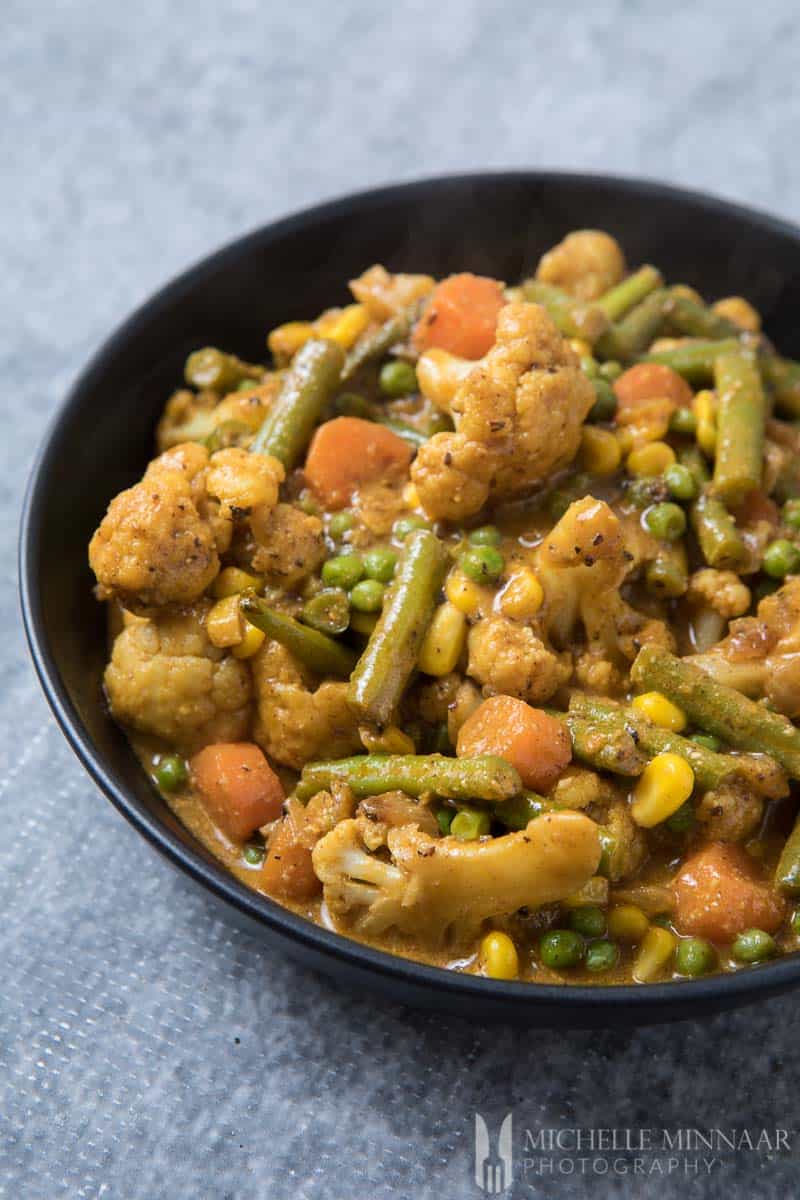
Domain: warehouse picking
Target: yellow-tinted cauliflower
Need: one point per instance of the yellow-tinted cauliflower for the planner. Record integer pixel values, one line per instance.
(245, 484)
(586, 264)
(166, 679)
(723, 591)
(508, 658)
(518, 418)
(159, 542)
(297, 721)
(290, 544)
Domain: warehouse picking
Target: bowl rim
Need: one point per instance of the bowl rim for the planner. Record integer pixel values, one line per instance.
(574, 1000)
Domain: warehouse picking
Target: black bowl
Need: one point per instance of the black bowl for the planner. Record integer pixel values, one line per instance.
(495, 224)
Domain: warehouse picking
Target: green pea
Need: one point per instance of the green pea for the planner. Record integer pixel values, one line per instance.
(397, 379)
(683, 421)
(754, 945)
(344, 571)
(171, 772)
(707, 740)
(403, 526)
(795, 921)
(681, 482)
(340, 522)
(588, 920)
(351, 404)
(605, 403)
(601, 956)
(682, 821)
(695, 956)
(561, 948)
(253, 855)
(644, 492)
(328, 611)
(781, 558)
(485, 535)
(610, 370)
(791, 513)
(662, 919)
(308, 504)
(484, 564)
(367, 596)
(469, 824)
(665, 521)
(380, 564)
(444, 819)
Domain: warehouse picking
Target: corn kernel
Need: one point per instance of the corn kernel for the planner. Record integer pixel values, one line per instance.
(286, 340)
(411, 495)
(390, 740)
(650, 460)
(498, 956)
(660, 711)
(704, 407)
(467, 596)
(600, 450)
(344, 326)
(654, 954)
(627, 923)
(251, 643)
(444, 641)
(581, 347)
(665, 784)
(522, 596)
(232, 580)
(224, 624)
(624, 437)
(740, 311)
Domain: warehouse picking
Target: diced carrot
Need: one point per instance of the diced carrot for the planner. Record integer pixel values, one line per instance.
(461, 316)
(288, 872)
(346, 452)
(237, 786)
(532, 741)
(720, 892)
(651, 381)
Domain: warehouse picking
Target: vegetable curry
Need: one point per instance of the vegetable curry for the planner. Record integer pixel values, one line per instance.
(469, 624)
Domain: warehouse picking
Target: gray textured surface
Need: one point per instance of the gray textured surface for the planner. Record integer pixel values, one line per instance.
(147, 1049)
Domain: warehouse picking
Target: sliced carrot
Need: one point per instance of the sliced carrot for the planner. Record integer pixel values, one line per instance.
(531, 740)
(347, 452)
(461, 316)
(720, 892)
(287, 871)
(237, 786)
(651, 381)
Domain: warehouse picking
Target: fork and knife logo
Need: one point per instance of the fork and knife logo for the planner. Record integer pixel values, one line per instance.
(493, 1166)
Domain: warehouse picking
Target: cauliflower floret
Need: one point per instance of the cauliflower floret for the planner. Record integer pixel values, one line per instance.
(435, 885)
(297, 722)
(244, 482)
(586, 264)
(159, 542)
(166, 679)
(508, 659)
(518, 418)
(761, 655)
(384, 295)
(195, 416)
(289, 545)
(721, 590)
(731, 812)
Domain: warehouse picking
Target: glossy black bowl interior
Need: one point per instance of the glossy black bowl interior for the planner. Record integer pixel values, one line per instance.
(103, 437)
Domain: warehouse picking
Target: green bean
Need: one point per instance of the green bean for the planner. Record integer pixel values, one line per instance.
(469, 824)
(626, 295)
(716, 532)
(573, 318)
(692, 458)
(718, 709)
(415, 437)
(606, 749)
(484, 777)
(739, 454)
(690, 319)
(390, 655)
(783, 377)
(517, 812)
(668, 573)
(787, 872)
(210, 368)
(634, 333)
(317, 651)
(605, 404)
(693, 360)
(309, 385)
(377, 344)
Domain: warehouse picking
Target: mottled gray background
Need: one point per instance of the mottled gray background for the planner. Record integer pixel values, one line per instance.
(149, 1050)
